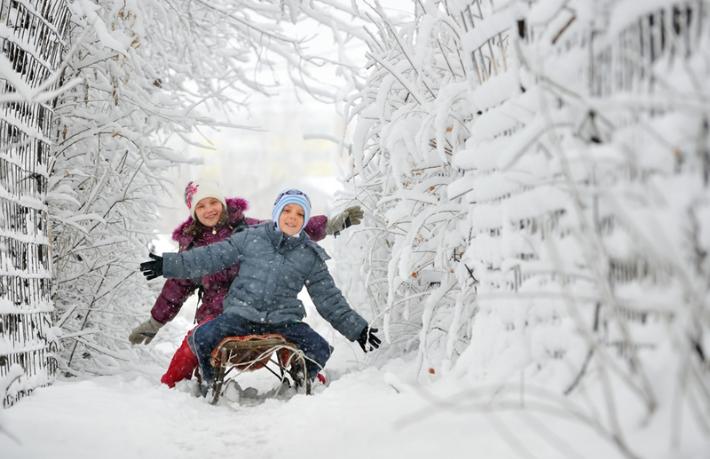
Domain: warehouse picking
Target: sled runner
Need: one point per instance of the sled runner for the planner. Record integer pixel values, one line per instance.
(248, 353)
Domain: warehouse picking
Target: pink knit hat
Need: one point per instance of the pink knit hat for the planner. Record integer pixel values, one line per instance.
(196, 191)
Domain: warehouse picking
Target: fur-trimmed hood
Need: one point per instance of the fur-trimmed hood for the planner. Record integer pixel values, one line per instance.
(236, 208)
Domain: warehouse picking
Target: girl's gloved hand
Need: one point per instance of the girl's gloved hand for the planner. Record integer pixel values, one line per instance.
(348, 217)
(144, 333)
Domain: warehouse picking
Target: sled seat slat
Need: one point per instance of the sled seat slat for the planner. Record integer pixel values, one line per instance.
(250, 352)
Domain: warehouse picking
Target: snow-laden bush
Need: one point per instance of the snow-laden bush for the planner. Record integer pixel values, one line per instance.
(536, 177)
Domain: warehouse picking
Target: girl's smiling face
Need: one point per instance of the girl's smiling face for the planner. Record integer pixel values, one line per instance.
(208, 211)
(291, 219)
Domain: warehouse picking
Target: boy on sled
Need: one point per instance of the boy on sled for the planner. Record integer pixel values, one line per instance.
(277, 259)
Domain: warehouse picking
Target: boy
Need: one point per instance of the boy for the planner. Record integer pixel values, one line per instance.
(276, 260)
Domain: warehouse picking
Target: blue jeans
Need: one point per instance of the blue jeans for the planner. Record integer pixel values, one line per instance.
(206, 337)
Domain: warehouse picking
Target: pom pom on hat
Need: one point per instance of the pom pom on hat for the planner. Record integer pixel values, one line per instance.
(196, 191)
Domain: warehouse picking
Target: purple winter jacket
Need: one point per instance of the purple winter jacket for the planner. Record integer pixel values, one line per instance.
(215, 286)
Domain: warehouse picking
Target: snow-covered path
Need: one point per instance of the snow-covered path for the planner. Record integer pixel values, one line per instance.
(367, 412)
(358, 416)
(122, 416)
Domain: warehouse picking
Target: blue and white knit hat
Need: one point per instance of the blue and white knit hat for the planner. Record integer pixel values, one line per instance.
(291, 196)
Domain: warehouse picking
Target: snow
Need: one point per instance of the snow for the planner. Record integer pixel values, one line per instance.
(495, 90)
(485, 30)
(7, 33)
(8, 307)
(625, 12)
(515, 111)
(543, 12)
(86, 11)
(484, 259)
(7, 73)
(372, 412)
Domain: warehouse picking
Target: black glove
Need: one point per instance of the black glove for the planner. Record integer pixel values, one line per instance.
(153, 268)
(368, 337)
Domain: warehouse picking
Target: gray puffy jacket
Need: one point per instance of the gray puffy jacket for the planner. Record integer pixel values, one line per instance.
(273, 270)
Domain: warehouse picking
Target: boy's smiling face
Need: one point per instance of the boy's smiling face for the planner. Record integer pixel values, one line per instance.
(291, 219)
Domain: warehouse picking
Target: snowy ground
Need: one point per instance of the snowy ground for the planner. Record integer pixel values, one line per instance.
(367, 412)
(358, 416)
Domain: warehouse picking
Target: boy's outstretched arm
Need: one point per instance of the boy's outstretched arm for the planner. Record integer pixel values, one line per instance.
(331, 303)
(196, 262)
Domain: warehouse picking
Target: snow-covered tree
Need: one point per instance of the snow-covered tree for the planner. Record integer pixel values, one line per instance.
(151, 72)
(537, 180)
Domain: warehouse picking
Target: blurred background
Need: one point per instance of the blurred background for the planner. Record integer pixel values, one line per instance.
(257, 164)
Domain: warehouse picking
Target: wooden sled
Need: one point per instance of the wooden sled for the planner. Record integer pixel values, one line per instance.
(238, 354)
